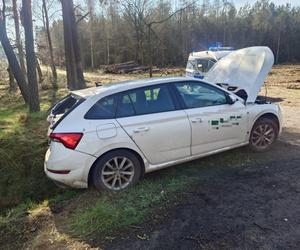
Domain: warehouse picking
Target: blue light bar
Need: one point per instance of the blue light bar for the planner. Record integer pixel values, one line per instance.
(220, 48)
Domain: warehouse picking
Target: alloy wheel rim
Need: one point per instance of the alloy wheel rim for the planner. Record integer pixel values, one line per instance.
(263, 136)
(117, 173)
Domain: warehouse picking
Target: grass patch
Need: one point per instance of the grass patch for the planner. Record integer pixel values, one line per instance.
(115, 211)
(23, 144)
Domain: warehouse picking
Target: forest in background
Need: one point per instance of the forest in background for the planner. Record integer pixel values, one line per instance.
(86, 34)
(164, 32)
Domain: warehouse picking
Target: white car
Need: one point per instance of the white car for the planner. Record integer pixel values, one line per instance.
(199, 63)
(110, 136)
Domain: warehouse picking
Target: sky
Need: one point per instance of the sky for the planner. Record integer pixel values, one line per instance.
(240, 3)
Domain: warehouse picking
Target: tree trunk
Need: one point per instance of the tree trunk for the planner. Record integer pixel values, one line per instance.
(278, 44)
(34, 104)
(39, 71)
(72, 50)
(12, 84)
(18, 37)
(49, 40)
(91, 23)
(12, 60)
(150, 50)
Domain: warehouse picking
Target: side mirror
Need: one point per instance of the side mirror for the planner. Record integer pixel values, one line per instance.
(232, 99)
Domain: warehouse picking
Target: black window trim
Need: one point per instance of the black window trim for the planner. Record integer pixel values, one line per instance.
(182, 103)
(177, 102)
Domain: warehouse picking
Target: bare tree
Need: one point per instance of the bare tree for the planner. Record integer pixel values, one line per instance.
(135, 12)
(50, 46)
(72, 49)
(91, 4)
(11, 57)
(150, 31)
(31, 60)
(18, 36)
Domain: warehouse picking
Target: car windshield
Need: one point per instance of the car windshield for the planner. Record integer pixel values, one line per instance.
(201, 65)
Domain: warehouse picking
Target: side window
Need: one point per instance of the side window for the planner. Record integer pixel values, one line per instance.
(152, 99)
(125, 107)
(197, 95)
(105, 108)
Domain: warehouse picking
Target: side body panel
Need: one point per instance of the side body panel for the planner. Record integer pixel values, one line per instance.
(217, 127)
(162, 137)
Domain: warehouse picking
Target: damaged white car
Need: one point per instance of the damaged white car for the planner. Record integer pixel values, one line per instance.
(110, 136)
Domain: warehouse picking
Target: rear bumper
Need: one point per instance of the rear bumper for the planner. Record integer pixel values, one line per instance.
(74, 165)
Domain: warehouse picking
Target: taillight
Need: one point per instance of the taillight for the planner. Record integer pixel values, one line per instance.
(69, 140)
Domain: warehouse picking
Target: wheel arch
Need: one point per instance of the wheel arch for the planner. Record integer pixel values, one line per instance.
(269, 115)
(92, 168)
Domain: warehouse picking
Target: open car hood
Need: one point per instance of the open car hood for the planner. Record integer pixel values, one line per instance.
(245, 69)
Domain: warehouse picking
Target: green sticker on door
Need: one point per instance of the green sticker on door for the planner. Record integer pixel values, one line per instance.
(232, 121)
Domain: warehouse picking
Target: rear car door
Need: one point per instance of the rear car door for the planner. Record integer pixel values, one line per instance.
(215, 123)
(152, 119)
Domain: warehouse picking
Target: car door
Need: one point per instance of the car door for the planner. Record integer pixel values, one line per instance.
(151, 118)
(215, 122)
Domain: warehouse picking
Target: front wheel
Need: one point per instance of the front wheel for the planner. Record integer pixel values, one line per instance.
(263, 135)
(116, 171)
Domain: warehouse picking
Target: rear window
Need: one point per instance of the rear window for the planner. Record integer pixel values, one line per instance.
(64, 107)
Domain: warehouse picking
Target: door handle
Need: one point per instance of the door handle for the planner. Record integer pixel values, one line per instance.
(138, 130)
(197, 119)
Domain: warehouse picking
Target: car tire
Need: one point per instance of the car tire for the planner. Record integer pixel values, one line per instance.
(116, 171)
(263, 134)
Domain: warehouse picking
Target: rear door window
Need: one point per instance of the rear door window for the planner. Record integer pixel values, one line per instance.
(125, 107)
(105, 108)
(151, 99)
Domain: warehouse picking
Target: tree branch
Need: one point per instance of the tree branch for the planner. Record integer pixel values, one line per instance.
(173, 14)
(82, 17)
(3, 16)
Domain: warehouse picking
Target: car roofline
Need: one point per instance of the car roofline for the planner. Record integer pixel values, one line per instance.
(117, 87)
(125, 85)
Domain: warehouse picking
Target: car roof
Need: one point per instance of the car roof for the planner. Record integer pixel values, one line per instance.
(126, 85)
(209, 54)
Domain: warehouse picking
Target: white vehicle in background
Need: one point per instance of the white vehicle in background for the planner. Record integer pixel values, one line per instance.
(112, 135)
(199, 63)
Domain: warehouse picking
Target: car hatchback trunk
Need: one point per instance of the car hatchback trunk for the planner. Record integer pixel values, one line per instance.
(61, 109)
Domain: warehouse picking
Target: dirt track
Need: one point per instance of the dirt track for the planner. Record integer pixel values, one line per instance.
(250, 208)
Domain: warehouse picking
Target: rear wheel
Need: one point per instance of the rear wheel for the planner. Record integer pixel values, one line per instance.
(116, 171)
(263, 135)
